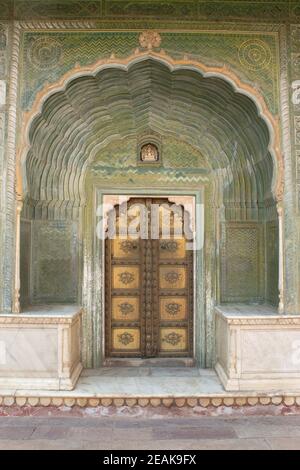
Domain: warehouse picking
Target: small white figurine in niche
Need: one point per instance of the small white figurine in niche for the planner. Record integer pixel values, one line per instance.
(149, 153)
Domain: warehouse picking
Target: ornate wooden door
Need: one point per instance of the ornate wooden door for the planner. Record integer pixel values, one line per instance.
(149, 286)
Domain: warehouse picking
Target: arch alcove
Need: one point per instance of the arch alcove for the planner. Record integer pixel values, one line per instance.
(213, 139)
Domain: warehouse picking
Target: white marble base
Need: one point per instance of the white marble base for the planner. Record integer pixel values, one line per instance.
(257, 349)
(40, 349)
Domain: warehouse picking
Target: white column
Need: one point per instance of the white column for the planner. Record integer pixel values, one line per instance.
(16, 308)
(280, 255)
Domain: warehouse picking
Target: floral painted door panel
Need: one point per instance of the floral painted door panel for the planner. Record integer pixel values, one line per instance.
(149, 282)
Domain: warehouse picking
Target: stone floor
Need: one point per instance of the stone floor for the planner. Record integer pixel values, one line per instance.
(118, 386)
(145, 381)
(138, 381)
(125, 433)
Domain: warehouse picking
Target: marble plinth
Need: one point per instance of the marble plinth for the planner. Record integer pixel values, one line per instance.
(257, 349)
(40, 348)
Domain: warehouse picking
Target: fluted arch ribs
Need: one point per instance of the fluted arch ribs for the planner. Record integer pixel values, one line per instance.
(206, 112)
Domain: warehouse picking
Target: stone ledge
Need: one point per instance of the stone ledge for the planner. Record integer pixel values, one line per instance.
(245, 315)
(43, 315)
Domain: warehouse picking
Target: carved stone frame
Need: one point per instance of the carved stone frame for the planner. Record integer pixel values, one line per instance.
(94, 275)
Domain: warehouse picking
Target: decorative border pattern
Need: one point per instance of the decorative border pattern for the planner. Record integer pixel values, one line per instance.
(263, 321)
(186, 10)
(267, 320)
(31, 320)
(154, 402)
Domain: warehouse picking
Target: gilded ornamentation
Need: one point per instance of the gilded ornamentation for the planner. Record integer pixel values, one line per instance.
(126, 277)
(126, 338)
(173, 308)
(172, 338)
(126, 308)
(255, 54)
(128, 246)
(45, 53)
(149, 153)
(149, 39)
(172, 277)
(170, 246)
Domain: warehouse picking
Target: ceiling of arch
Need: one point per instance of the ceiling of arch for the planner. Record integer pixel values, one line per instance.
(77, 124)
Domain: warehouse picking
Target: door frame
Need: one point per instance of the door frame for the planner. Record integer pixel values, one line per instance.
(93, 273)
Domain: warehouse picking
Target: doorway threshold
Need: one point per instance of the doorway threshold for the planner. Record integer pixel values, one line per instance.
(164, 362)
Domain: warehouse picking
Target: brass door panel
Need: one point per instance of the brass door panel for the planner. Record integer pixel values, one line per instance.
(173, 308)
(149, 292)
(125, 277)
(172, 277)
(173, 339)
(172, 249)
(126, 339)
(124, 248)
(125, 308)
